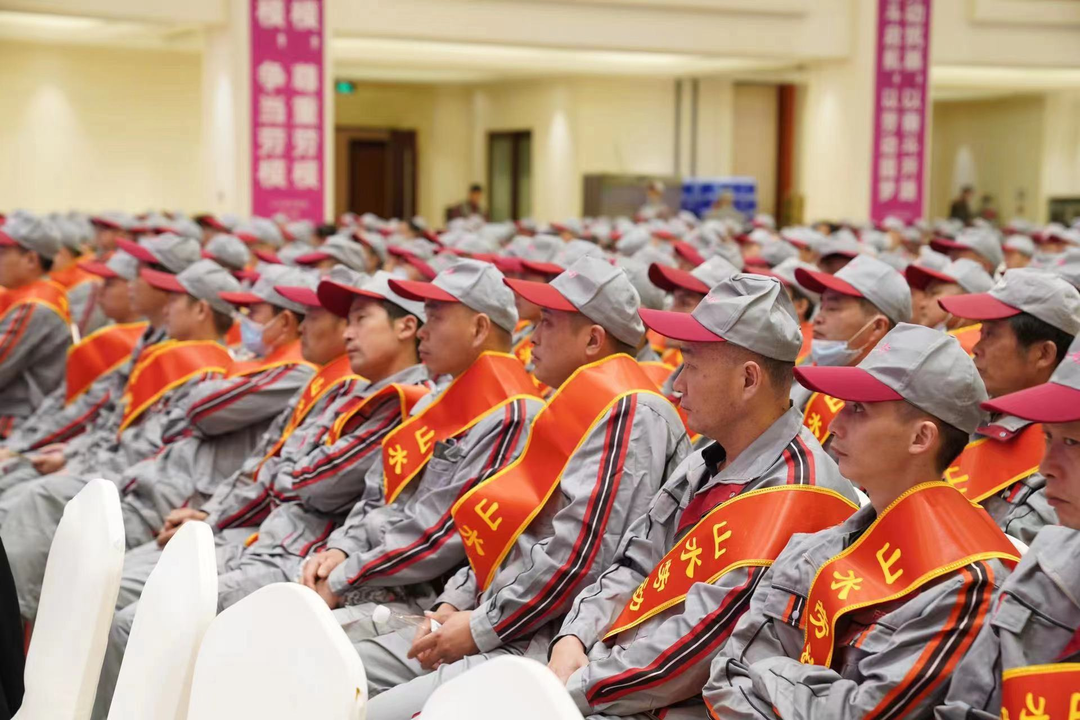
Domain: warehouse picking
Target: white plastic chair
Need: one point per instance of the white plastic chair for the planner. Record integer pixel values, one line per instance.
(278, 654)
(510, 686)
(176, 607)
(78, 594)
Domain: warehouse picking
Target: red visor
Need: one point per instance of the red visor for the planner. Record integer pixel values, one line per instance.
(977, 306)
(7, 241)
(847, 383)
(541, 294)
(688, 252)
(413, 290)
(97, 268)
(509, 264)
(268, 256)
(248, 238)
(817, 281)
(672, 279)
(249, 275)
(337, 298)
(105, 222)
(920, 277)
(678, 326)
(1049, 402)
(542, 268)
(162, 280)
(137, 251)
(240, 298)
(312, 258)
(302, 295)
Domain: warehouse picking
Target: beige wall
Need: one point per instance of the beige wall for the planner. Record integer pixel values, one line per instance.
(1061, 145)
(756, 133)
(995, 145)
(95, 129)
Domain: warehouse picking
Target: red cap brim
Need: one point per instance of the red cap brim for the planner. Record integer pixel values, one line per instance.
(688, 252)
(312, 258)
(509, 264)
(240, 298)
(338, 298)
(920, 277)
(944, 245)
(98, 268)
(425, 269)
(136, 250)
(304, 296)
(678, 326)
(977, 306)
(819, 282)
(248, 238)
(672, 279)
(105, 222)
(162, 280)
(250, 275)
(1049, 402)
(847, 383)
(7, 241)
(757, 261)
(540, 294)
(413, 290)
(542, 268)
(268, 256)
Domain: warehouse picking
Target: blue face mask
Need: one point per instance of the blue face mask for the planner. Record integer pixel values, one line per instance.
(251, 336)
(836, 353)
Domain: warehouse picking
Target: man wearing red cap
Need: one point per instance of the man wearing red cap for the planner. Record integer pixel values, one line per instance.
(869, 618)
(960, 277)
(538, 532)
(1027, 657)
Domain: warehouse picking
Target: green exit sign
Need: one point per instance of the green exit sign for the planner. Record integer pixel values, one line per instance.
(345, 87)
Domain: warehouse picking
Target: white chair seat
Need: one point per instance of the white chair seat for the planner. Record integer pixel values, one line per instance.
(511, 687)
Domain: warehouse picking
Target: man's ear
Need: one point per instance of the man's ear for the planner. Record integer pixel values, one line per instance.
(596, 342)
(1043, 355)
(924, 437)
(406, 327)
(481, 328)
(879, 328)
(753, 378)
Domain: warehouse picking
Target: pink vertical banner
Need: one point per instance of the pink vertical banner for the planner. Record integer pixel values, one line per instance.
(900, 110)
(287, 92)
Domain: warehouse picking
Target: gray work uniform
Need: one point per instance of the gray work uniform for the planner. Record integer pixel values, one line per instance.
(1020, 510)
(890, 660)
(608, 483)
(665, 660)
(33, 361)
(86, 313)
(1035, 621)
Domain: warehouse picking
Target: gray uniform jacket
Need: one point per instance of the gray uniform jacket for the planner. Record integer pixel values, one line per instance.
(607, 484)
(891, 660)
(1021, 509)
(412, 540)
(665, 659)
(224, 421)
(1034, 622)
(86, 313)
(33, 359)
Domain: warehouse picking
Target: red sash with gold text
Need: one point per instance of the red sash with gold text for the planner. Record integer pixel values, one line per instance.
(929, 531)
(1041, 691)
(407, 396)
(40, 292)
(498, 510)
(98, 354)
(290, 354)
(820, 411)
(988, 466)
(73, 276)
(749, 530)
(165, 366)
(491, 382)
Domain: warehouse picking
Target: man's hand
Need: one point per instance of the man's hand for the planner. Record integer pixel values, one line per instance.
(174, 520)
(320, 566)
(567, 656)
(444, 611)
(46, 463)
(323, 588)
(448, 644)
(6, 453)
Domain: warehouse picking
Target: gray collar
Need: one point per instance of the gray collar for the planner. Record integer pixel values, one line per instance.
(412, 375)
(759, 456)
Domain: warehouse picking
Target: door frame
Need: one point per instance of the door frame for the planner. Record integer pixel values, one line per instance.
(515, 136)
(343, 136)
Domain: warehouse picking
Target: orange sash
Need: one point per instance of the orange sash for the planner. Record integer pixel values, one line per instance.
(820, 412)
(968, 336)
(749, 530)
(523, 352)
(494, 380)
(987, 466)
(98, 354)
(498, 510)
(893, 558)
(407, 396)
(73, 276)
(165, 366)
(330, 376)
(658, 372)
(233, 338)
(290, 354)
(1041, 691)
(807, 339)
(41, 292)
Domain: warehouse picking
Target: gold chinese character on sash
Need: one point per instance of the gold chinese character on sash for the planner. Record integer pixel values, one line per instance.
(835, 404)
(316, 385)
(639, 596)
(662, 575)
(806, 658)
(845, 583)
(1074, 706)
(1034, 710)
(820, 621)
(424, 436)
(472, 539)
(487, 516)
(718, 538)
(886, 565)
(691, 553)
(398, 457)
(814, 423)
(954, 480)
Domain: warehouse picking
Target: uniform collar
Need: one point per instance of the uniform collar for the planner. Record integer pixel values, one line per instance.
(758, 457)
(1002, 427)
(412, 375)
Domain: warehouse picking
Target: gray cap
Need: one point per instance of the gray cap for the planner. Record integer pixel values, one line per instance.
(376, 243)
(1039, 293)
(204, 280)
(595, 288)
(302, 231)
(751, 311)
(172, 252)
(260, 230)
(337, 293)
(574, 250)
(926, 367)
(124, 265)
(228, 250)
(539, 248)
(649, 295)
(869, 278)
(730, 252)
(1021, 244)
(185, 227)
(475, 284)
(71, 235)
(932, 259)
(1067, 265)
(340, 247)
(775, 252)
(709, 273)
(968, 274)
(786, 272)
(634, 240)
(264, 288)
(31, 232)
(840, 243)
(983, 242)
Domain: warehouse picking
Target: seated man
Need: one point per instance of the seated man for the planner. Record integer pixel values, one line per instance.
(34, 319)
(393, 553)
(1028, 321)
(859, 304)
(642, 636)
(1036, 620)
(864, 619)
(978, 245)
(806, 301)
(69, 273)
(538, 532)
(961, 277)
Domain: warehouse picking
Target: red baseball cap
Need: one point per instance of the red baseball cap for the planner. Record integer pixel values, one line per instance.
(920, 277)
(846, 383)
(137, 251)
(267, 256)
(1049, 403)
(818, 281)
(302, 295)
(678, 326)
(671, 279)
(414, 290)
(542, 268)
(978, 306)
(688, 252)
(337, 297)
(541, 294)
(162, 280)
(240, 298)
(97, 268)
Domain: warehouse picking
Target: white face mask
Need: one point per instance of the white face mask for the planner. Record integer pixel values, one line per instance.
(251, 336)
(836, 353)
(400, 273)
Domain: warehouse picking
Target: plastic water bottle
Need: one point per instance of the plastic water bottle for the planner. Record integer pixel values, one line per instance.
(384, 619)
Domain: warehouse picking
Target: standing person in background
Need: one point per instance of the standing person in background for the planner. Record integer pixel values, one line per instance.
(724, 209)
(961, 206)
(470, 206)
(654, 206)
